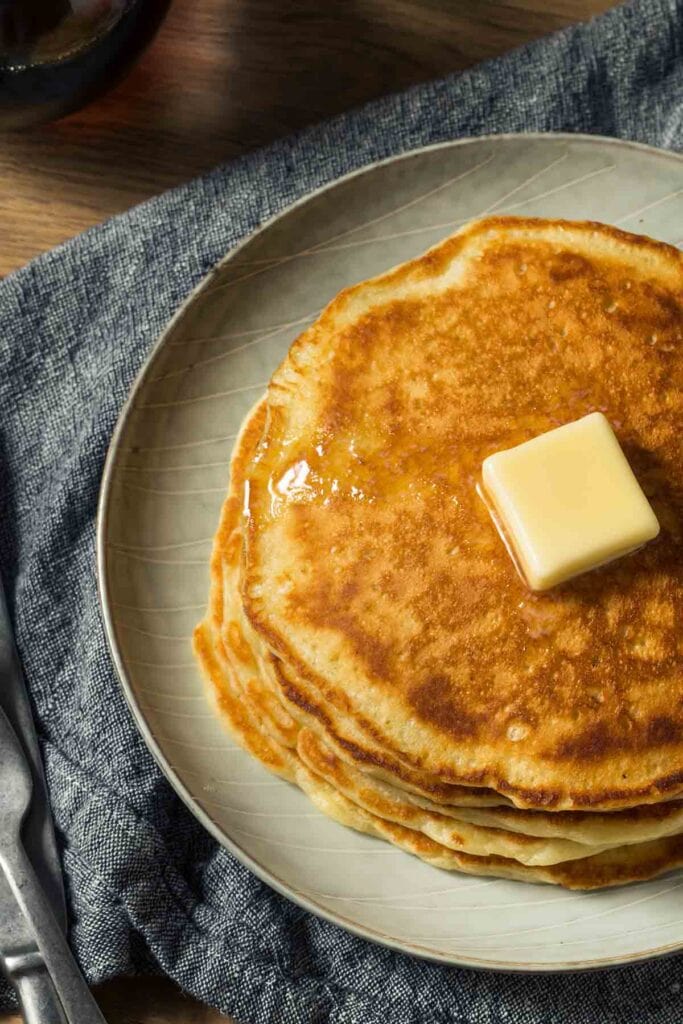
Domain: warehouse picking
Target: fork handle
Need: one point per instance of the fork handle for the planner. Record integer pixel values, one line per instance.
(38, 998)
(76, 999)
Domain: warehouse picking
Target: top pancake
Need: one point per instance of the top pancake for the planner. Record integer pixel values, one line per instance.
(372, 567)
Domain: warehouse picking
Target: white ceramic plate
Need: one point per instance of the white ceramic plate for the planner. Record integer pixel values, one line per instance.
(164, 483)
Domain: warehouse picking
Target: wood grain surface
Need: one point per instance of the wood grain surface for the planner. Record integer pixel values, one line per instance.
(222, 77)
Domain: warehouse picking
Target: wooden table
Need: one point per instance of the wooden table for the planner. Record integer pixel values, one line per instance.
(223, 77)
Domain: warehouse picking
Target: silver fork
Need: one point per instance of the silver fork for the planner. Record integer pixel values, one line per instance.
(16, 785)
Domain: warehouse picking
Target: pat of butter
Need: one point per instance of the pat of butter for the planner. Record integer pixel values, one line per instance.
(568, 501)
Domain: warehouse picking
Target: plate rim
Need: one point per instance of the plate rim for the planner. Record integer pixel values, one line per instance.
(263, 873)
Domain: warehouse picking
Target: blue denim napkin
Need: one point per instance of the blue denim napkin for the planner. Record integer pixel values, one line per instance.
(148, 889)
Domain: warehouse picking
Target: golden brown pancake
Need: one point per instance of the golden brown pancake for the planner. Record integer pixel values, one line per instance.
(392, 806)
(348, 741)
(619, 866)
(612, 867)
(237, 645)
(229, 676)
(261, 725)
(372, 569)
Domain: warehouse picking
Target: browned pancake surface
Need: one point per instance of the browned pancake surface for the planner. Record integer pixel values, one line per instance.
(373, 567)
(229, 664)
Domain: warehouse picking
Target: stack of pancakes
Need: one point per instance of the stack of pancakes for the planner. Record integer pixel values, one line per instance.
(368, 637)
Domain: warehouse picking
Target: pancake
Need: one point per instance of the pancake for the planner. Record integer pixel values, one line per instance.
(353, 746)
(371, 568)
(620, 866)
(260, 724)
(613, 867)
(238, 646)
(248, 720)
(459, 835)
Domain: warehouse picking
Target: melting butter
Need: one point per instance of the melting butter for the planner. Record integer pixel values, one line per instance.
(568, 501)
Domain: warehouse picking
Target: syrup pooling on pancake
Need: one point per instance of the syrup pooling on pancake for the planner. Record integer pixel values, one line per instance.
(371, 564)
